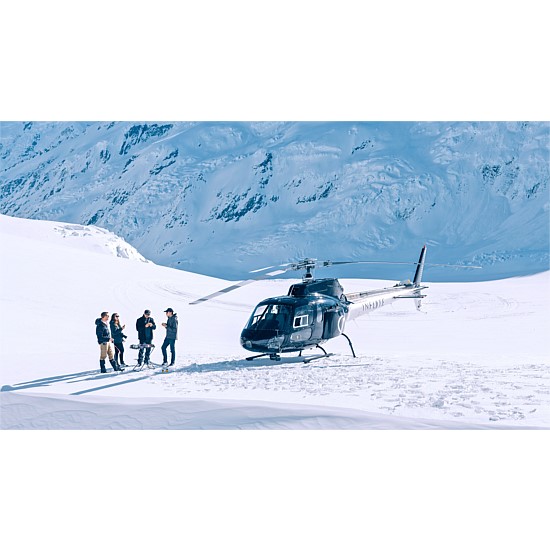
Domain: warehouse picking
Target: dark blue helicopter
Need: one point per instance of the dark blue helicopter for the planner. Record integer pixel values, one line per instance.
(315, 310)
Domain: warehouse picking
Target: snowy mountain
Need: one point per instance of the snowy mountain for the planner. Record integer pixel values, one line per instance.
(225, 198)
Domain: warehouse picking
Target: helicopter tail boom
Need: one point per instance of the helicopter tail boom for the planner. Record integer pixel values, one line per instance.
(367, 301)
(363, 302)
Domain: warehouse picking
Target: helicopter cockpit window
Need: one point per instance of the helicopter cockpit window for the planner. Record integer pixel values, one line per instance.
(269, 317)
(258, 314)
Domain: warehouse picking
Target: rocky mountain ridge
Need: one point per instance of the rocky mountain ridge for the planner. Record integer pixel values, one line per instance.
(224, 198)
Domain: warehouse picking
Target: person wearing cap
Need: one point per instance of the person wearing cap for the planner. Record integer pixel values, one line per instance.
(171, 326)
(145, 326)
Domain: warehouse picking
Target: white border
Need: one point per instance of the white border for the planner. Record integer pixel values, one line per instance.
(293, 60)
(290, 60)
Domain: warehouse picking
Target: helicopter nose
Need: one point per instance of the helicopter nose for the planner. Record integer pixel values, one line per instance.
(246, 343)
(268, 341)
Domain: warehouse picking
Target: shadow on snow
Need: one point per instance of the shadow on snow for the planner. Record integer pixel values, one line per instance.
(220, 366)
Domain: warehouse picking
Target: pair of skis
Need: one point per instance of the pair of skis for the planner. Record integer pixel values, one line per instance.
(152, 366)
(140, 366)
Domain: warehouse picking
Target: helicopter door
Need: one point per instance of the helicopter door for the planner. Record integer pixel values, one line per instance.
(333, 323)
(301, 325)
(318, 324)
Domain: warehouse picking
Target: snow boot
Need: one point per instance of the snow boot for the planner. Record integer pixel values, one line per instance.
(114, 365)
(102, 365)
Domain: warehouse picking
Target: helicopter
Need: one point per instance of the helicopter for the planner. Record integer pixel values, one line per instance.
(316, 310)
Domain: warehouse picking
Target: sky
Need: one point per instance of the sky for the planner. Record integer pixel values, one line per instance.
(289, 61)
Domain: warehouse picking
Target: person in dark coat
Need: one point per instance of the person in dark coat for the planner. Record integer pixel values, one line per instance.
(105, 341)
(171, 326)
(118, 338)
(145, 326)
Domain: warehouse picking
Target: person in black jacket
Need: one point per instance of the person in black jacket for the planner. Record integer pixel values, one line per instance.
(171, 326)
(145, 326)
(105, 341)
(118, 338)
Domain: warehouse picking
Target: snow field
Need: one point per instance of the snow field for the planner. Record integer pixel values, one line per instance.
(476, 356)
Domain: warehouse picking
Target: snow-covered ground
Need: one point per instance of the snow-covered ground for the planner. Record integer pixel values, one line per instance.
(478, 355)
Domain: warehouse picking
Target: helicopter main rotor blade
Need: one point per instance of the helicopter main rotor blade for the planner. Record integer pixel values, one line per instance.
(328, 263)
(222, 291)
(239, 285)
(271, 267)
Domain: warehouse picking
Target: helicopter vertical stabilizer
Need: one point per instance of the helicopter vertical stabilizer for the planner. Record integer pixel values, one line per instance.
(420, 267)
(418, 276)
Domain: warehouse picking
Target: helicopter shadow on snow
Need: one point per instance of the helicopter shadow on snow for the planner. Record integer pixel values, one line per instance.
(291, 362)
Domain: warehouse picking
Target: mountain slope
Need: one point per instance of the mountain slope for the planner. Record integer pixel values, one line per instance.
(225, 198)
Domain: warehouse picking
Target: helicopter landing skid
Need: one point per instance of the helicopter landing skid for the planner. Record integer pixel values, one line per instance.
(307, 360)
(315, 357)
(277, 357)
(272, 356)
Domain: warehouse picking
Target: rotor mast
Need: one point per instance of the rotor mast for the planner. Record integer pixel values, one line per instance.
(309, 265)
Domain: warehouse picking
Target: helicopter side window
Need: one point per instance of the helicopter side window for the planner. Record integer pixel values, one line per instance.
(301, 321)
(302, 316)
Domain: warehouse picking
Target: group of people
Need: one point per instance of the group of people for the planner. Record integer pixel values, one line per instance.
(111, 338)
